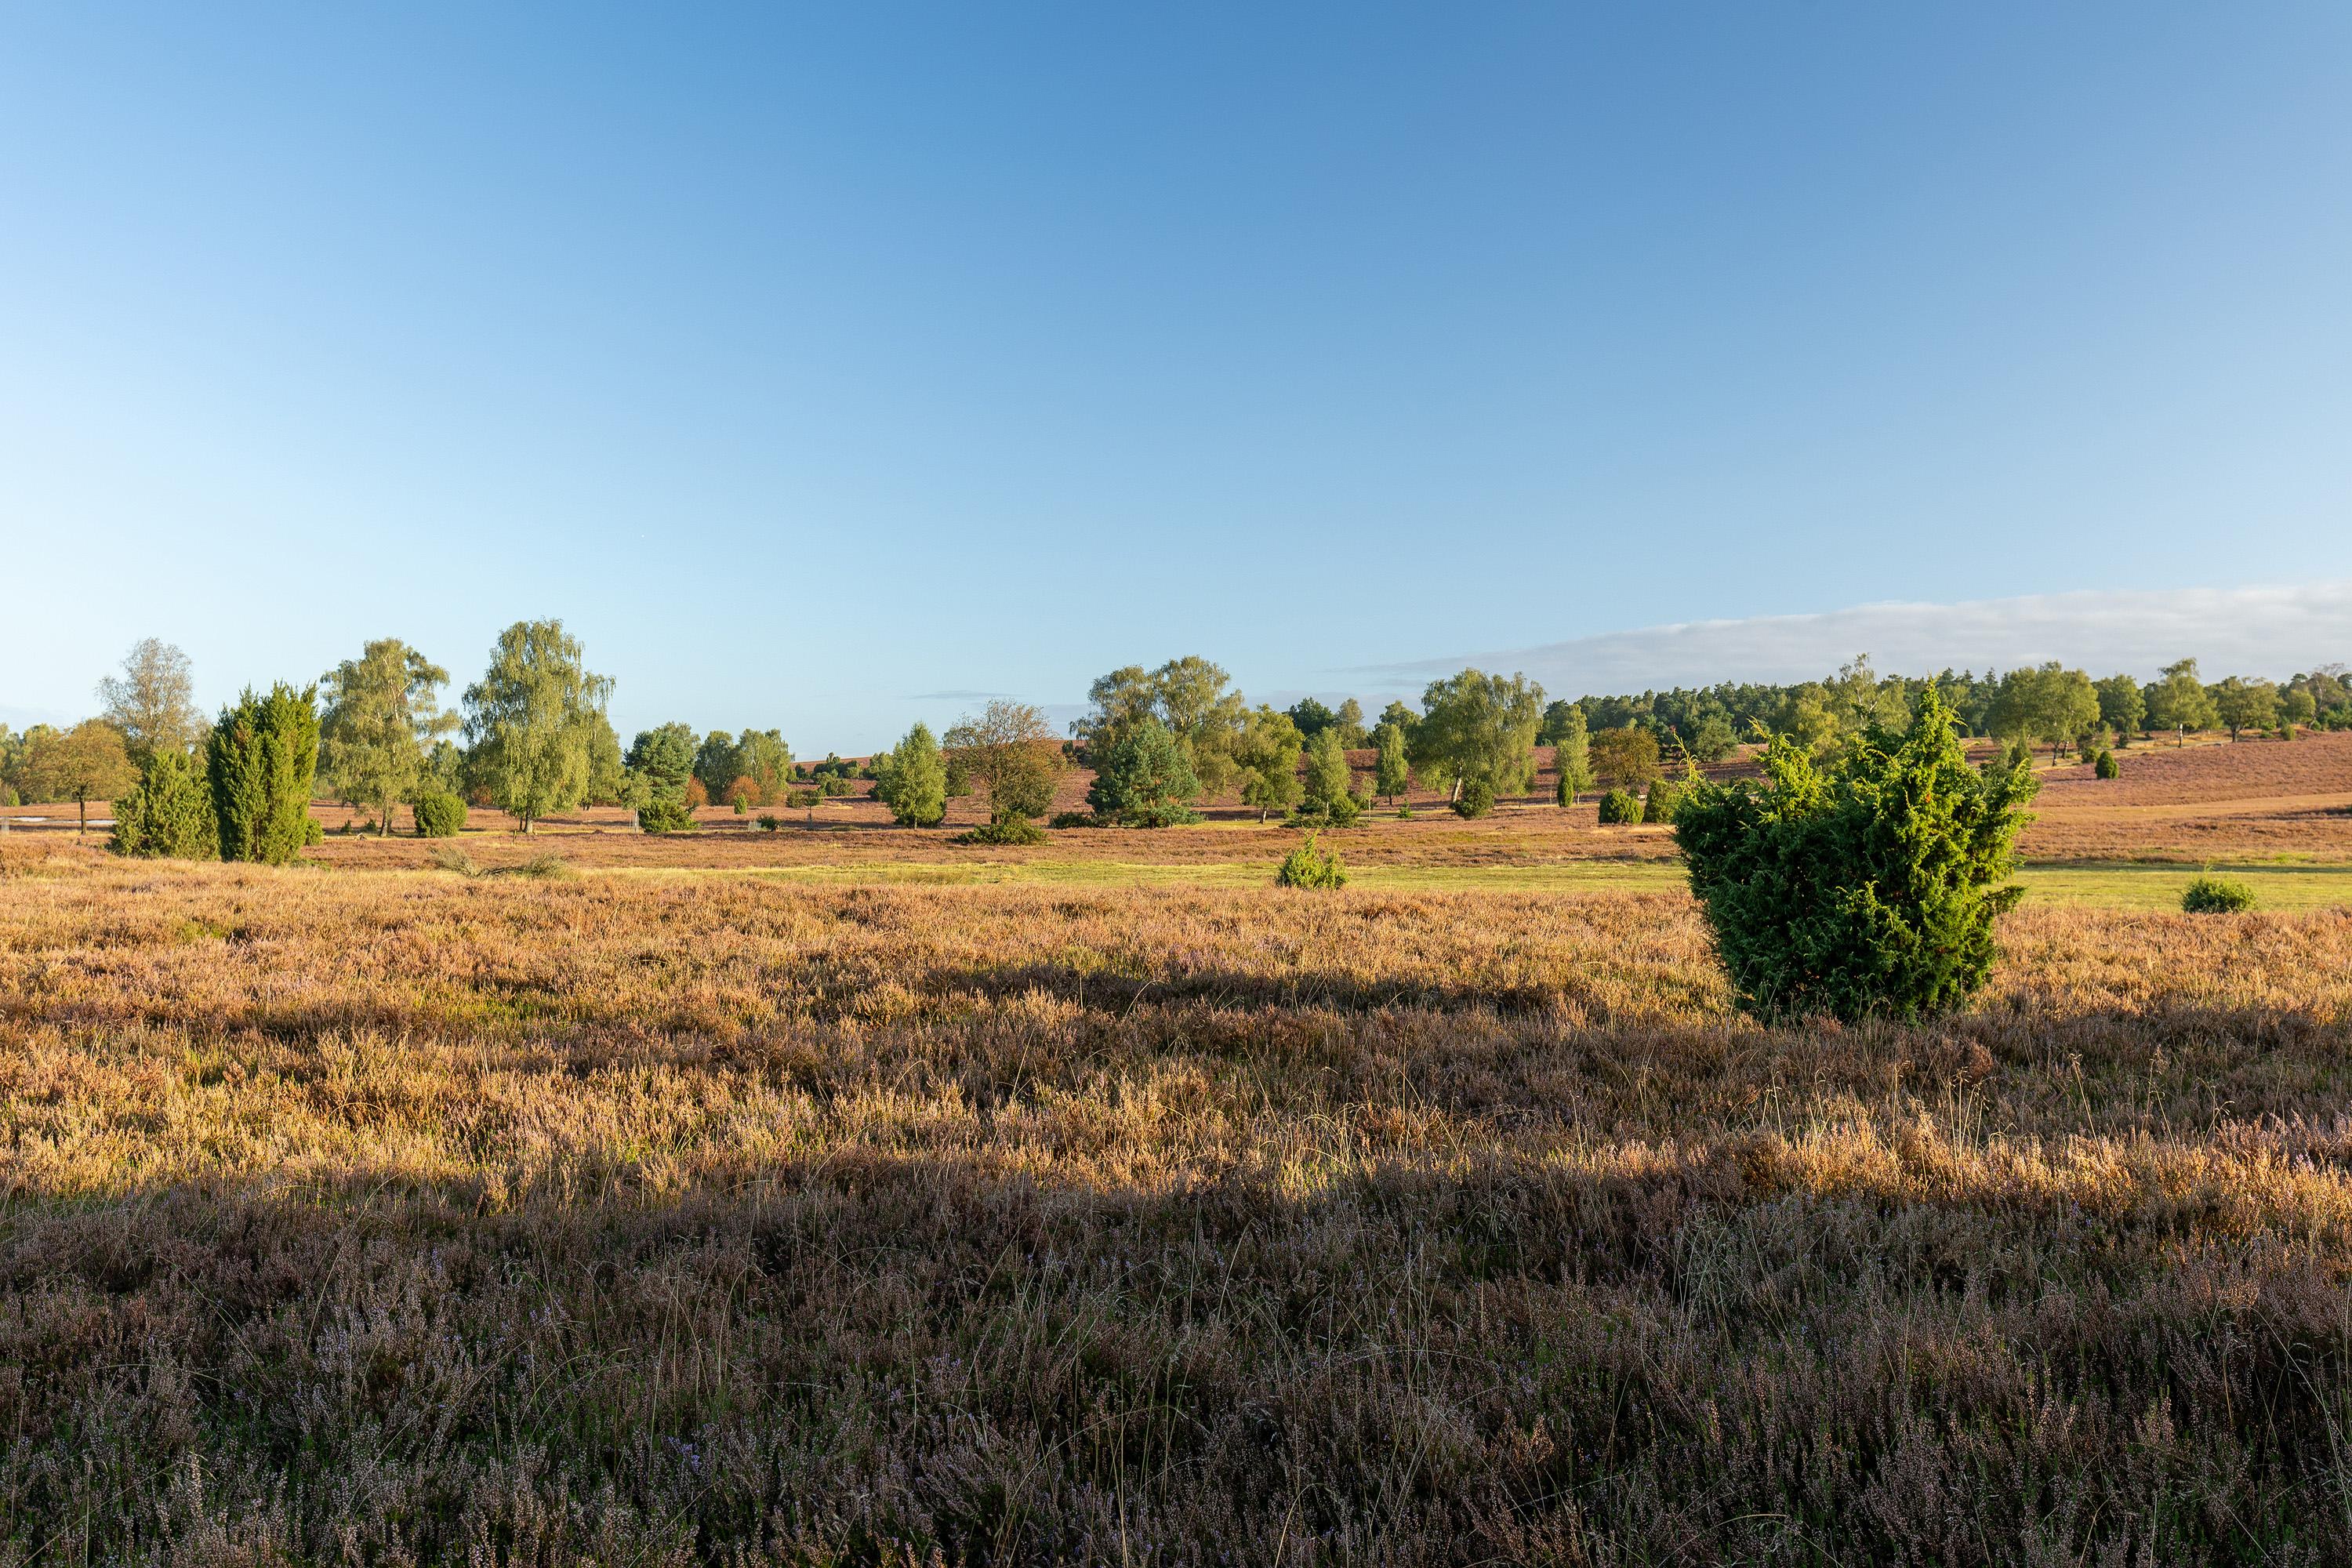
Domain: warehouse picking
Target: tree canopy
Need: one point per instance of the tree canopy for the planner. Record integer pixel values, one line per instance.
(1189, 695)
(1143, 777)
(1011, 753)
(1267, 757)
(381, 710)
(530, 720)
(153, 702)
(1477, 734)
(911, 779)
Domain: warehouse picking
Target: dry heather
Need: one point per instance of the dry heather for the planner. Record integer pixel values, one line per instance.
(402, 1218)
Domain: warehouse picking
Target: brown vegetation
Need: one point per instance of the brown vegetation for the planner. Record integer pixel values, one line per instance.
(405, 1216)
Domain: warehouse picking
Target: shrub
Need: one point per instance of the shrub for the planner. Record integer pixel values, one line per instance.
(768, 821)
(1661, 803)
(1013, 831)
(1620, 806)
(1475, 798)
(2215, 896)
(802, 799)
(697, 795)
(260, 762)
(1867, 886)
(1310, 866)
(1076, 819)
(168, 813)
(665, 816)
(450, 858)
(1404, 813)
(2106, 767)
(440, 815)
(1143, 777)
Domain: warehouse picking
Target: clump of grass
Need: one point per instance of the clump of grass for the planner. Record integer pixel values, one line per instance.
(546, 866)
(450, 858)
(2216, 896)
(1311, 866)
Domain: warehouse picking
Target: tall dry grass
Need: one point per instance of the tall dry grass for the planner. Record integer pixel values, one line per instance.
(413, 1218)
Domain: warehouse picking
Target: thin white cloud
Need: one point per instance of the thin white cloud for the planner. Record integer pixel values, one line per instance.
(2272, 631)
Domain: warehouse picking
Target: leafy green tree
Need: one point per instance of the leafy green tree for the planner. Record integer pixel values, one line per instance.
(1392, 772)
(380, 710)
(1009, 751)
(1267, 758)
(169, 813)
(1711, 738)
(153, 702)
(1807, 716)
(1857, 698)
(2297, 706)
(665, 756)
(2121, 707)
(1624, 758)
(2051, 704)
(261, 761)
(81, 765)
(1571, 757)
(1311, 717)
(714, 762)
(2179, 702)
(530, 720)
(608, 776)
(1479, 729)
(1348, 719)
(1143, 778)
(1330, 783)
(911, 779)
(2241, 704)
(1189, 695)
(1406, 720)
(762, 756)
(1555, 721)
(1868, 886)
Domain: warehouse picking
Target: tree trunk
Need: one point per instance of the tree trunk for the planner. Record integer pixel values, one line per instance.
(83, 831)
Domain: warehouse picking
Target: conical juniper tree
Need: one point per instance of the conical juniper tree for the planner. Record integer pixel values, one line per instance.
(1864, 887)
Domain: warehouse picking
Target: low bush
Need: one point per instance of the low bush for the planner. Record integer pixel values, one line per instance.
(768, 822)
(1311, 866)
(1659, 806)
(450, 858)
(1076, 819)
(1475, 798)
(1868, 886)
(2106, 767)
(2216, 896)
(665, 816)
(1017, 830)
(440, 815)
(168, 814)
(1620, 806)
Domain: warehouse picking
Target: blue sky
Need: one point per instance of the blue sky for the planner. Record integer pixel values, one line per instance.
(820, 365)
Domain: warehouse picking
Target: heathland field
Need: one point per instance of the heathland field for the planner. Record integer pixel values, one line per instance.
(839, 1194)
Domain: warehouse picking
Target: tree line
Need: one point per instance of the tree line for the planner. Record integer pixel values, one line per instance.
(531, 738)
(2040, 704)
